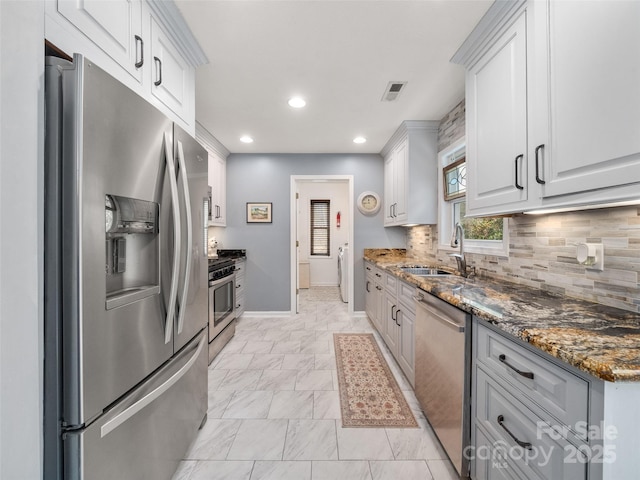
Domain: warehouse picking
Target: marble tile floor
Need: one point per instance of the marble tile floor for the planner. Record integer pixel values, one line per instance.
(274, 410)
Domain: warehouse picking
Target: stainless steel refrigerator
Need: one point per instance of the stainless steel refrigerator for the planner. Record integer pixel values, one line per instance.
(125, 281)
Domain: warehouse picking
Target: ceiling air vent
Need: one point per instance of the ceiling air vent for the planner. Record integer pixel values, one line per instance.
(392, 91)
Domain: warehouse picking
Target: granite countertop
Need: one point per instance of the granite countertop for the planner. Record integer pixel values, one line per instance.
(600, 340)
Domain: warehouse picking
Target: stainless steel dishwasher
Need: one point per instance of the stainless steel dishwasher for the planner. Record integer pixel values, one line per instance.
(442, 374)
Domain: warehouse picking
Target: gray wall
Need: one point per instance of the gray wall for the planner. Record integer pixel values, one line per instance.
(266, 178)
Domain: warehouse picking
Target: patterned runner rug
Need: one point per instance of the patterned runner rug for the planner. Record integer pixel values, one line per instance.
(369, 395)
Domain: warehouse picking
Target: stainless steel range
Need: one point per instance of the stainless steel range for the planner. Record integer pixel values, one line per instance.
(222, 290)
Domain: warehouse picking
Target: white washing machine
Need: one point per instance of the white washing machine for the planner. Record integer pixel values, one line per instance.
(343, 271)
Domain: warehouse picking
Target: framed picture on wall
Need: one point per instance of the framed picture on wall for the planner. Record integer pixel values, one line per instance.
(259, 212)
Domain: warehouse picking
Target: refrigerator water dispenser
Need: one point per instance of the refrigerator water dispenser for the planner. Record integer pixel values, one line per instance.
(132, 250)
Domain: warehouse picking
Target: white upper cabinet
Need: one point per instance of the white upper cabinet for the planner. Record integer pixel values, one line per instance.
(496, 106)
(144, 44)
(173, 79)
(218, 182)
(410, 174)
(553, 105)
(115, 26)
(395, 184)
(587, 87)
(217, 175)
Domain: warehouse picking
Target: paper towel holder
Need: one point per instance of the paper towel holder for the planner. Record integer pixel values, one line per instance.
(590, 255)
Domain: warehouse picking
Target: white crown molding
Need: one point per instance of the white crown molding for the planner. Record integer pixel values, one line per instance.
(210, 142)
(406, 127)
(498, 17)
(171, 18)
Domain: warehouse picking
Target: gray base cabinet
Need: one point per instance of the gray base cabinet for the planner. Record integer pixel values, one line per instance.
(374, 295)
(239, 308)
(390, 306)
(529, 413)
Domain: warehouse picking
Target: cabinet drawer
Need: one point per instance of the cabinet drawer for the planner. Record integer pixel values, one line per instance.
(378, 275)
(490, 460)
(390, 283)
(406, 292)
(559, 392)
(510, 421)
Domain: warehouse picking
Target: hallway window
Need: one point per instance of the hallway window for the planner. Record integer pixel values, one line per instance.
(320, 228)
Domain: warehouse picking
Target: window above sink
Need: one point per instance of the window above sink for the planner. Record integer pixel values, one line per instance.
(482, 235)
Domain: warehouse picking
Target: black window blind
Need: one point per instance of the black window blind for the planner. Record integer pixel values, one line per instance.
(320, 227)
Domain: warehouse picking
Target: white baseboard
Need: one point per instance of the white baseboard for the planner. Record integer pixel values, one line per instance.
(267, 314)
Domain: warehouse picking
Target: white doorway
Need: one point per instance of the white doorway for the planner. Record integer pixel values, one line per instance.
(322, 271)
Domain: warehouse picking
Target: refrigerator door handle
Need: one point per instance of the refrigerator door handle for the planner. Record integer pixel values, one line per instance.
(173, 291)
(157, 392)
(187, 272)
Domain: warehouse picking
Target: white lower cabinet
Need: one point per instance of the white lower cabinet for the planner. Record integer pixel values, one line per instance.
(391, 331)
(241, 266)
(406, 319)
(511, 422)
(390, 306)
(528, 413)
(374, 296)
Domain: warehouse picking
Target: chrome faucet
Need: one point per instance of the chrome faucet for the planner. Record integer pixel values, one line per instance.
(457, 239)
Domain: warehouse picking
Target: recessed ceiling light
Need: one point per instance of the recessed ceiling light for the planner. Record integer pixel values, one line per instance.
(296, 102)
(246, 139)
(359, 140)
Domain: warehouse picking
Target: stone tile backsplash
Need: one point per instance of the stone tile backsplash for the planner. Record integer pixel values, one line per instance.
(542, 254)
(452, 126)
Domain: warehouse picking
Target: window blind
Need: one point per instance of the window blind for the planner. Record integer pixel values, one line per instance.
(320, 227)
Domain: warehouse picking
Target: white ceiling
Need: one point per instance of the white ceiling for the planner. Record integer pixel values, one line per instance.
(339, 55)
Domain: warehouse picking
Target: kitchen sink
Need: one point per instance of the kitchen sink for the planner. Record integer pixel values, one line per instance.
(425, 271)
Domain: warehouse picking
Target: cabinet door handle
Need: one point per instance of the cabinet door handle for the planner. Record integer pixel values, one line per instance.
(538, 179)
(158, 71)
(367, 287)
(368, 268)
(396, 319)
(378, 287)
(518, 186)
(503, 359)
(526, 445)
(140, 62)
(378, 275)
(392, 317)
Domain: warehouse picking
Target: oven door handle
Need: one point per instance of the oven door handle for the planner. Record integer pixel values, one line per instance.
(173, 290)
(182, 301)
(220, 281)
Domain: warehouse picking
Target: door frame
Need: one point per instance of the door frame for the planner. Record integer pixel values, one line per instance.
(295, 180)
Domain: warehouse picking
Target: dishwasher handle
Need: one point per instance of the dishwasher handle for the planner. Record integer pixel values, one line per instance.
(437, 315)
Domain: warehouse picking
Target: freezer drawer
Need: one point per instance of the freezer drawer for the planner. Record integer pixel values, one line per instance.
(157, 422)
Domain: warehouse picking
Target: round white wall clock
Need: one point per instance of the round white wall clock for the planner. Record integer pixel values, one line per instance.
(369, 203)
